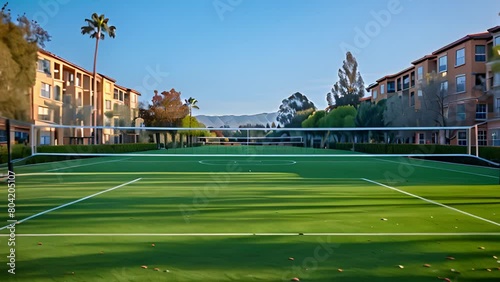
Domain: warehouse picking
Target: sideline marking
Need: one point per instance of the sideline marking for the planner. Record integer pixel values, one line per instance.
(246, 162)
(73, 202)
(431, 201)
(251, 234)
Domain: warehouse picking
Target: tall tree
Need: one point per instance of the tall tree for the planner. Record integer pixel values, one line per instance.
(97, 27)
(19, 43)
(350, 87)
(191, 103)
(291, 105)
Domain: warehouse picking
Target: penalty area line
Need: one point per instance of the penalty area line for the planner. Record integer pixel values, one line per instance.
(250, 234)
(431, 201)
(71, 203)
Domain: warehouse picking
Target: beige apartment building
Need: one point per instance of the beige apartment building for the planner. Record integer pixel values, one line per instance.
(63, 95)
(461, 72)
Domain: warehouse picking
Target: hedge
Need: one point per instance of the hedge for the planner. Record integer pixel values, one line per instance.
(82, 149)
(105, 148)
(486, 152)
(19, 151)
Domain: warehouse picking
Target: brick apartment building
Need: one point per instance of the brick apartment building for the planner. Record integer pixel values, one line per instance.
(62, 94)
(471, 90)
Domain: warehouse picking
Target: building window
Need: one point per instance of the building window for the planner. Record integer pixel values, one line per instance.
(45, 91)
(43, 66)
(460, 83)
(398, 82)
(481, 138)
(443, 63)
(497, 40)
(79, 101)
(444, 87)
(460, 57)
(43, 113)
(382, 89)
(375, 94)
(45, 138)
(462, 138)
(412, 78)
(57, 93)
(420, 93)
(480, 53)
(406, 82)
(421, 138)
(420, 73)
(481, 111)
(121, 95)
(391, 87)
(108, 104)
(461, 112)
(115, 94)
(412, 99)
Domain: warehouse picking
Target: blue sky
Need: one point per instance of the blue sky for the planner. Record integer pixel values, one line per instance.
(245, 56)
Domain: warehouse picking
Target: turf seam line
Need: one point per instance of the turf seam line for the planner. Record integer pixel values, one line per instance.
(251, 234)
(73, 202)
(445, 169)
(431, 201)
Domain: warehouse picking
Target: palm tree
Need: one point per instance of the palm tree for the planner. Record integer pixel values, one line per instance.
(97, 27)
(191, 103)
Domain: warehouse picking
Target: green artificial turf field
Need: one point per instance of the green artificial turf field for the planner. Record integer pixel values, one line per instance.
(248, 218)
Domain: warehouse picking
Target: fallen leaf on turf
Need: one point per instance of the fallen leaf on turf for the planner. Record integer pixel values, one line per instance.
(152, 245)
(450, 258)
(481, 248)
(291, 258)
(39, 243)
(489, 270)
(295, 279)
(144, 266)
(445, 279)
(495, 257)
(156, 269)
(340, 270)
(427, 265)
(401, 266)
(384, 219)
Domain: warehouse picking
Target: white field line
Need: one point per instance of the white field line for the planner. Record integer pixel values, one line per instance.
(445, 169)
(249, 234)
(431, 201)
(94, 163)
(73, 202)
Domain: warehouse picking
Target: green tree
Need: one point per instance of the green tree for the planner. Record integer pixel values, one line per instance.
(19, 43)
(97, 27)
(343, 116)
(370, 115)
(291, 105)
(350, 87)
(313, 120)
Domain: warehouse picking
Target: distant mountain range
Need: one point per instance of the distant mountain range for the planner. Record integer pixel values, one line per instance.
(236, 121)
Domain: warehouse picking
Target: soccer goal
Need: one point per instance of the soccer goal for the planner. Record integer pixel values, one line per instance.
(457, 141)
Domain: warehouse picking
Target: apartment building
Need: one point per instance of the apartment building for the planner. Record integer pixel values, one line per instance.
(63, 95)
(459, 72)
